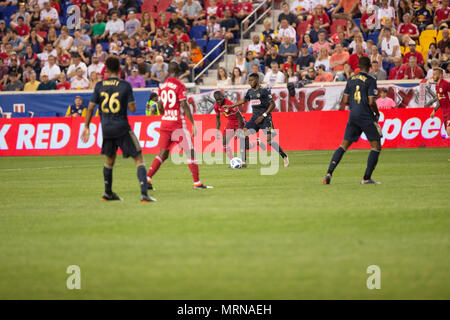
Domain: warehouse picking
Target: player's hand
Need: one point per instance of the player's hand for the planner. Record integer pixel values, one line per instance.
(85, 134)
(432, 114)
(259, 119)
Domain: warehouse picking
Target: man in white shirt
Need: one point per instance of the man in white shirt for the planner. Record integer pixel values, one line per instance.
(76, 63)
(52, 69)
(47, 52)
(115, 25)
(274, 76)
(49, 17)
(96, 66)
(390, 46)
(286, 31)
(79, 82)
(257, 47)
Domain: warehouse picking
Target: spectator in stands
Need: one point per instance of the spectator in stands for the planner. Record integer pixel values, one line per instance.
(369, 21)
(323, 59)
(273, 56)
(412, 70)
(398, 71)
(52, 69)
(322, 43)
(135, 79)
(130, 5)
(131, 50)
(51, 36)
(159, 71)
(32, 83)
(173, 21)
(445, 40)
(229, 25)
(402, 9)
(46, 84)
(305, 60)
(212, 9)
(22, 28)
(76, 63)
(358, 40)
(291, 18)
(35, 20)
(339, 58)
(408, 28)
(14, 66)
(95, 66)
(63, 84)
(49, 17)
(301, 8)
(351, 29)
(241, 10)
(291, 76)
(257, 48)
(290, 63)
(63, 59)
(14, 84)
(237, 78)
(345, 9)
(375, 55)
(185, 74)
(179, 37)
(3, 68)
(196, 54)
(310, 75)
(148, 23)
(21, 13)
(434, 63)
(390, 48)
(166, 50)
(413, 53)
(128, 65)
(83, 39)
(442, 15)
(79, 81)
(287, 48)
(385, 12)
(274, 75)
(222, 78)
(256, 69)
(433, 53)
(34, 40)
(268, 31)
(213, 30)
(64, 39)
(377, 71)
(423, 16)
(192, 11)
(314, 32)
(346, 74)
(319, 14)
(323, 75)
(132, 25)
(114, 25)
(308, 41)
(240, 61)
(31, 57)
(353, 60)
(286, 31)
(77, 109)
(384, 102)
(15, 41)
(99, 53)
(250, 60)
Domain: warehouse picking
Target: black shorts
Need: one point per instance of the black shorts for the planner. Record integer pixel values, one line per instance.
(128, 143)
(353, 131)
(266, 124)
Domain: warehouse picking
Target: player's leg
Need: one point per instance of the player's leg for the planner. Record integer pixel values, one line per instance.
(165, 141)
(109, 149)
(227, 135)
(268, 128)
(142, 178)
(374, 134)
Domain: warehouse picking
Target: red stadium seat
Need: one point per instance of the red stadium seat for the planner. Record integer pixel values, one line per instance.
(335, 23)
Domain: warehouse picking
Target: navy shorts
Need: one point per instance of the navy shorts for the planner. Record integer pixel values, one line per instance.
(128, 143)
(266, 124)
(353, 131)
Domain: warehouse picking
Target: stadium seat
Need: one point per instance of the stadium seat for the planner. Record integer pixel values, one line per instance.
(20, 115)
(42, 34)
(8, 11)
(374, 37)
(105, 46)
(333, 27)
(429, 33)
(439, 36)
(357, 21)
(202, 44)
(197, 32)
(149, 5)
(211, 44)
(47, 114)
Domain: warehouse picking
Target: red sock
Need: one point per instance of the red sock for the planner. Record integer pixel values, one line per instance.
(194, 170)
(228, 151)
(155, 166)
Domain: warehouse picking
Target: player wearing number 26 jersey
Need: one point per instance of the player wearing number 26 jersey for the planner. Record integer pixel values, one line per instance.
(173, 106)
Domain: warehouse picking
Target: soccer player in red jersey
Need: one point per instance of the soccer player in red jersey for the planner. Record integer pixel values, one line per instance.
(173, 130)
(235, 120)
(443, 96)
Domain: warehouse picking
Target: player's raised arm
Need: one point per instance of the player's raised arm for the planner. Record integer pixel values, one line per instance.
(89, 113)
(237, 104)
(132, 106)
(187, 112)
(373, 106)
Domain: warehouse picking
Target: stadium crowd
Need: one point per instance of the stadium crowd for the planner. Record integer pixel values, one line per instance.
(62, 44)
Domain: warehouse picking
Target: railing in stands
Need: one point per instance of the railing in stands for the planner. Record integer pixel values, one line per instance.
(254, 12)
(195, 77)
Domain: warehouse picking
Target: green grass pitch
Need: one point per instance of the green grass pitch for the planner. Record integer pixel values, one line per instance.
(285, 236)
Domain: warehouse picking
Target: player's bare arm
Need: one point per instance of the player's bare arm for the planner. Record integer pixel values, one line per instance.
(345, 101)
(132, 106)
(160, 107)
(89, 113)
(217, 124)
(187, 112)
(240, 119)
(237, 104)
(373, 106)
(265, 114)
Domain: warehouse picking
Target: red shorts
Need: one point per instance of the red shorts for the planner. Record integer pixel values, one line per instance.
(180, 136)
(446, 118)
(230, 129)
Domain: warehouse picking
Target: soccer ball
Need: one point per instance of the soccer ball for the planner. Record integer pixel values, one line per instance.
(236, 163)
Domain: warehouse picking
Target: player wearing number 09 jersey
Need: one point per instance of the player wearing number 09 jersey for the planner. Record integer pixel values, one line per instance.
(443, 96)
(114, 97)
(173, 106)
(360, 93)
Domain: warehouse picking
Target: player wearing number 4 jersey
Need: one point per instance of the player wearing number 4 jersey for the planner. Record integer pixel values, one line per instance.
(114, 97)
(173, 130)
(360, 93)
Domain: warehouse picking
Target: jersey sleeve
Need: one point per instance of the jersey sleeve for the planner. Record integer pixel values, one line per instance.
(130, 97)
(95, 98)
(372, 90)
(247, 95)
(268, 94)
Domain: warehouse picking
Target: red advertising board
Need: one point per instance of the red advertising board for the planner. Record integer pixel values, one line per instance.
(320, 130)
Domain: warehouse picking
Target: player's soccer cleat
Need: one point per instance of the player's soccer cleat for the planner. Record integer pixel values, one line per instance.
(327, 179)
(111, 197)
(244, 165)
(370, 181)
(146, 198)
(150, 186)
(286, 161)
(202, 186)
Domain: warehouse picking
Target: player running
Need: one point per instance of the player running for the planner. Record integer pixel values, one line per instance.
(114, 96)
(173, 130)
(443, 96)
(360, 93)
(262, 106)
